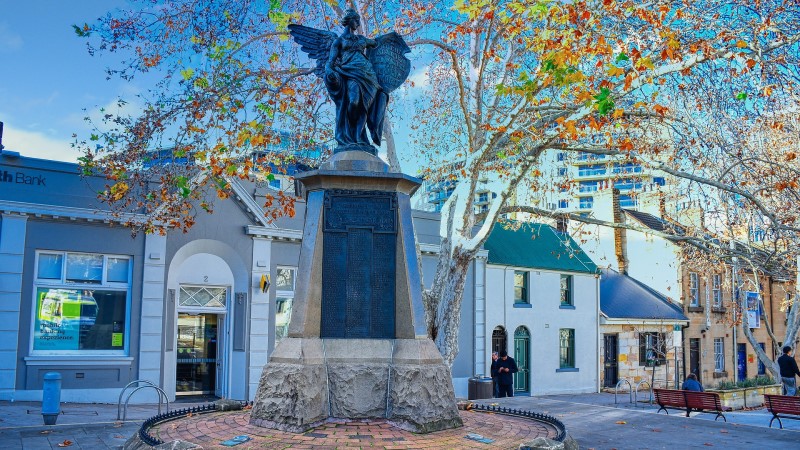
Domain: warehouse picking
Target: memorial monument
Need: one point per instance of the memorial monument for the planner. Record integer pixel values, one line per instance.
(357, 345)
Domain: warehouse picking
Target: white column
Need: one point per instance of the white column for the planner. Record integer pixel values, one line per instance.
(151, 338)
(480, 314)
(260, 319)
(12, 250)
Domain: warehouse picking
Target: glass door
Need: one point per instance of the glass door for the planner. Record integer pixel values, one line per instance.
(197, 363)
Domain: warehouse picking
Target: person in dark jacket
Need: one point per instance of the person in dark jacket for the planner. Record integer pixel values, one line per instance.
(495, 383)
(788, 370)
(506, 367)
(691, 384)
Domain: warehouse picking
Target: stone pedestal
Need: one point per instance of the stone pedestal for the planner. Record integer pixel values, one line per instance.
(309, 380)
(355, 350)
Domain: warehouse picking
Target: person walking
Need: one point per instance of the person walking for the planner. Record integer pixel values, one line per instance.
(789, 369)
(495, 382)
(692, 384)
(506, 368)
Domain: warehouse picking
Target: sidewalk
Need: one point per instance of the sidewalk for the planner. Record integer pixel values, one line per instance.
(595, 421)
(91, 426)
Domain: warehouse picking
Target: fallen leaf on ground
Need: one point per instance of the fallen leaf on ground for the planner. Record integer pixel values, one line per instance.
(620, 422)
(45, 432)
(66, 443)
(723, 431)
(119, 436)
(708, 444)
(118, 424)
(656, 430)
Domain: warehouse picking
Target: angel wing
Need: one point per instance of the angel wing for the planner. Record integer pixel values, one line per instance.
(316, 43)
(389, 60)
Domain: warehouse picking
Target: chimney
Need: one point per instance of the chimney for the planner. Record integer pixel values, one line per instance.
(620, 235)
(1, 137)
(562, 224)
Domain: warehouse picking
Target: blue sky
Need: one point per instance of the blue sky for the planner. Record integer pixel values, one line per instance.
(47, 78)
(49, 82)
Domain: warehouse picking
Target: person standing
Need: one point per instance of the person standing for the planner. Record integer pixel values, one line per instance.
(789, 369)
(506, 368)
(691, 384)
(495, 382)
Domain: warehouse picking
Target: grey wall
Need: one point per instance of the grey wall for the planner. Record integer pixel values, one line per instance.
(79, 237)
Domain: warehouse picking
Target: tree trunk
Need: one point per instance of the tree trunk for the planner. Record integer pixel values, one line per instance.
(771, 365)
(448, 311)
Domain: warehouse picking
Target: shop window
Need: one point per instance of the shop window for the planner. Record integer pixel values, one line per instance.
(82, 303)
(284, 297)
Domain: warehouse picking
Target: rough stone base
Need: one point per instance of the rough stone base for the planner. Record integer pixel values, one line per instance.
(307, 381)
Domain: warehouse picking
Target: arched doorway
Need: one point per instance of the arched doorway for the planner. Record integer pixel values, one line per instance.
(522, 352)
(499, 339)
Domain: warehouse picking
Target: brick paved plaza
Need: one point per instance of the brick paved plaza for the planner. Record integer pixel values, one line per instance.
(209, 430)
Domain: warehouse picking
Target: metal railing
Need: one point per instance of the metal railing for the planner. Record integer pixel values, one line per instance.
(135, 385)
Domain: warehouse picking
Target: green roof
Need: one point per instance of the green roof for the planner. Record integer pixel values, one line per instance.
(537, 246)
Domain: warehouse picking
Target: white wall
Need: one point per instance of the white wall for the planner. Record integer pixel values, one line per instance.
(544, 319)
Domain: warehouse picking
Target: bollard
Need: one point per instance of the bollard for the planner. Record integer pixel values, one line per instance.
(51, 397)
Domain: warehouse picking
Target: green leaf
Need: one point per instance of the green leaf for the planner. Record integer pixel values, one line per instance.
(741, 96)
(187, 73)
(270, 177)
(622, 57)
(604, 102)
(94, 137)
(82, 31)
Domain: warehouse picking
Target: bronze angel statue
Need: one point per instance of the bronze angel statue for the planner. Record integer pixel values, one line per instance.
(359, 74)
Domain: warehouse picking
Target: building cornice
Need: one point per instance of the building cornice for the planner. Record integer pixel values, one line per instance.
(67, 212)
(275, 233)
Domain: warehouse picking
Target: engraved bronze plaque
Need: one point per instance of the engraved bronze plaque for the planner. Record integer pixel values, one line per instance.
(358, 264)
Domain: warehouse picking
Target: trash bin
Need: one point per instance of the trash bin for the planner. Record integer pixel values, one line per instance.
(479, 388)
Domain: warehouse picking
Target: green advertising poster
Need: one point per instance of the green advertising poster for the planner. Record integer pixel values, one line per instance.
(58, 316)
(116, 339)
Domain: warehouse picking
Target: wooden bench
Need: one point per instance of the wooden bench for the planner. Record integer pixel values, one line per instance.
(781, 405)
(707, 402)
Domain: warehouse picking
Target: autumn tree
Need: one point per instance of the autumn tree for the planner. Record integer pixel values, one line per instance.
(515, 80)
(510, 81)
